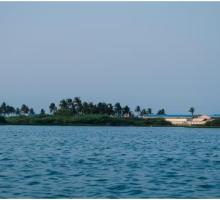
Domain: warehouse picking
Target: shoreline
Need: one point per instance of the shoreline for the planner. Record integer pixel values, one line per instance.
(107, 125)
(93, 120)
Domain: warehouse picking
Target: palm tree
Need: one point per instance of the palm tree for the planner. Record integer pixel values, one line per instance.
(192, 110)
(9, 110)
(161, 112)
(126, 110)
(77, 100)
(149, 111)
(138, 110)
(78, 104)
(143, 112)
(42, 112)
(17, 111)
(3, 108)
(100, 108)
(24, 109)
(85, 108)
(118, 109)
(110, 109)
(12, 109)
(63, 104)
(92, 108)
(31, 112)
(69, 102)
(52, 108)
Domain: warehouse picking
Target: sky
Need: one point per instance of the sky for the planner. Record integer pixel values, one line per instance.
(152, 54)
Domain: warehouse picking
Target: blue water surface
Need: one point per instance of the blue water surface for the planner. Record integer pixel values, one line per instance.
(109, 162)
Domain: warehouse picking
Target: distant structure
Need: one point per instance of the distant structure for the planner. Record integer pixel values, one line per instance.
(183, 120)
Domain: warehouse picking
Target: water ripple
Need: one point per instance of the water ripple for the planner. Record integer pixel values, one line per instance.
(109, 162)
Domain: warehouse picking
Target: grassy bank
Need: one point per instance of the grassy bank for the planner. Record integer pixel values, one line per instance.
(2, 120)
(99, 120)
(93, 120)
(213, 123)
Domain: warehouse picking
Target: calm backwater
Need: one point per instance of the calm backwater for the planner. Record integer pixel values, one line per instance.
(109, 162)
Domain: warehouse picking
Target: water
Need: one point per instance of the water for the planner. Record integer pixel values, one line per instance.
(113, 162)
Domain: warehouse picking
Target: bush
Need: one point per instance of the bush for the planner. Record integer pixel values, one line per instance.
(85, 120)
(2, 120)
(215, 122)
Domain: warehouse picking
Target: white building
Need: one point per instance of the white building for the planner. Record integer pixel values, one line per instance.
(183, 120)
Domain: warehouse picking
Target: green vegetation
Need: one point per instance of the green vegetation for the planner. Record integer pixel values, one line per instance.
(161, 112)
(91, 119)
(192, 110)
(76, 112)
(75, 106)
(2, 120)
(213, 123)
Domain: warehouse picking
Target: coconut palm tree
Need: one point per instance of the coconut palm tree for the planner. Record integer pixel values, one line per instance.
(24, 109)
(143, 112)
(17, 111)
(138, 110)
(42, 112)
(31, 112)
(52, 108)
(118, 109)
(10, 110)
(149, 111)
(69, 102)
(92, 108)
(3, 108)
(78, 104)
(85, 108)
(110, 109)
(63, 104)
(126, 110)
(161, 112)
(192, 110)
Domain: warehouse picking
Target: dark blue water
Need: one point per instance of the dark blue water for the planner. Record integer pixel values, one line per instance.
(113, 162)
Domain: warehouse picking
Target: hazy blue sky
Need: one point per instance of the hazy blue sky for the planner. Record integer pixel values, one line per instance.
(159, 55)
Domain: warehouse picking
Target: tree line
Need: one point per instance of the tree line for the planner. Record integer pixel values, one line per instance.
(76, 106)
